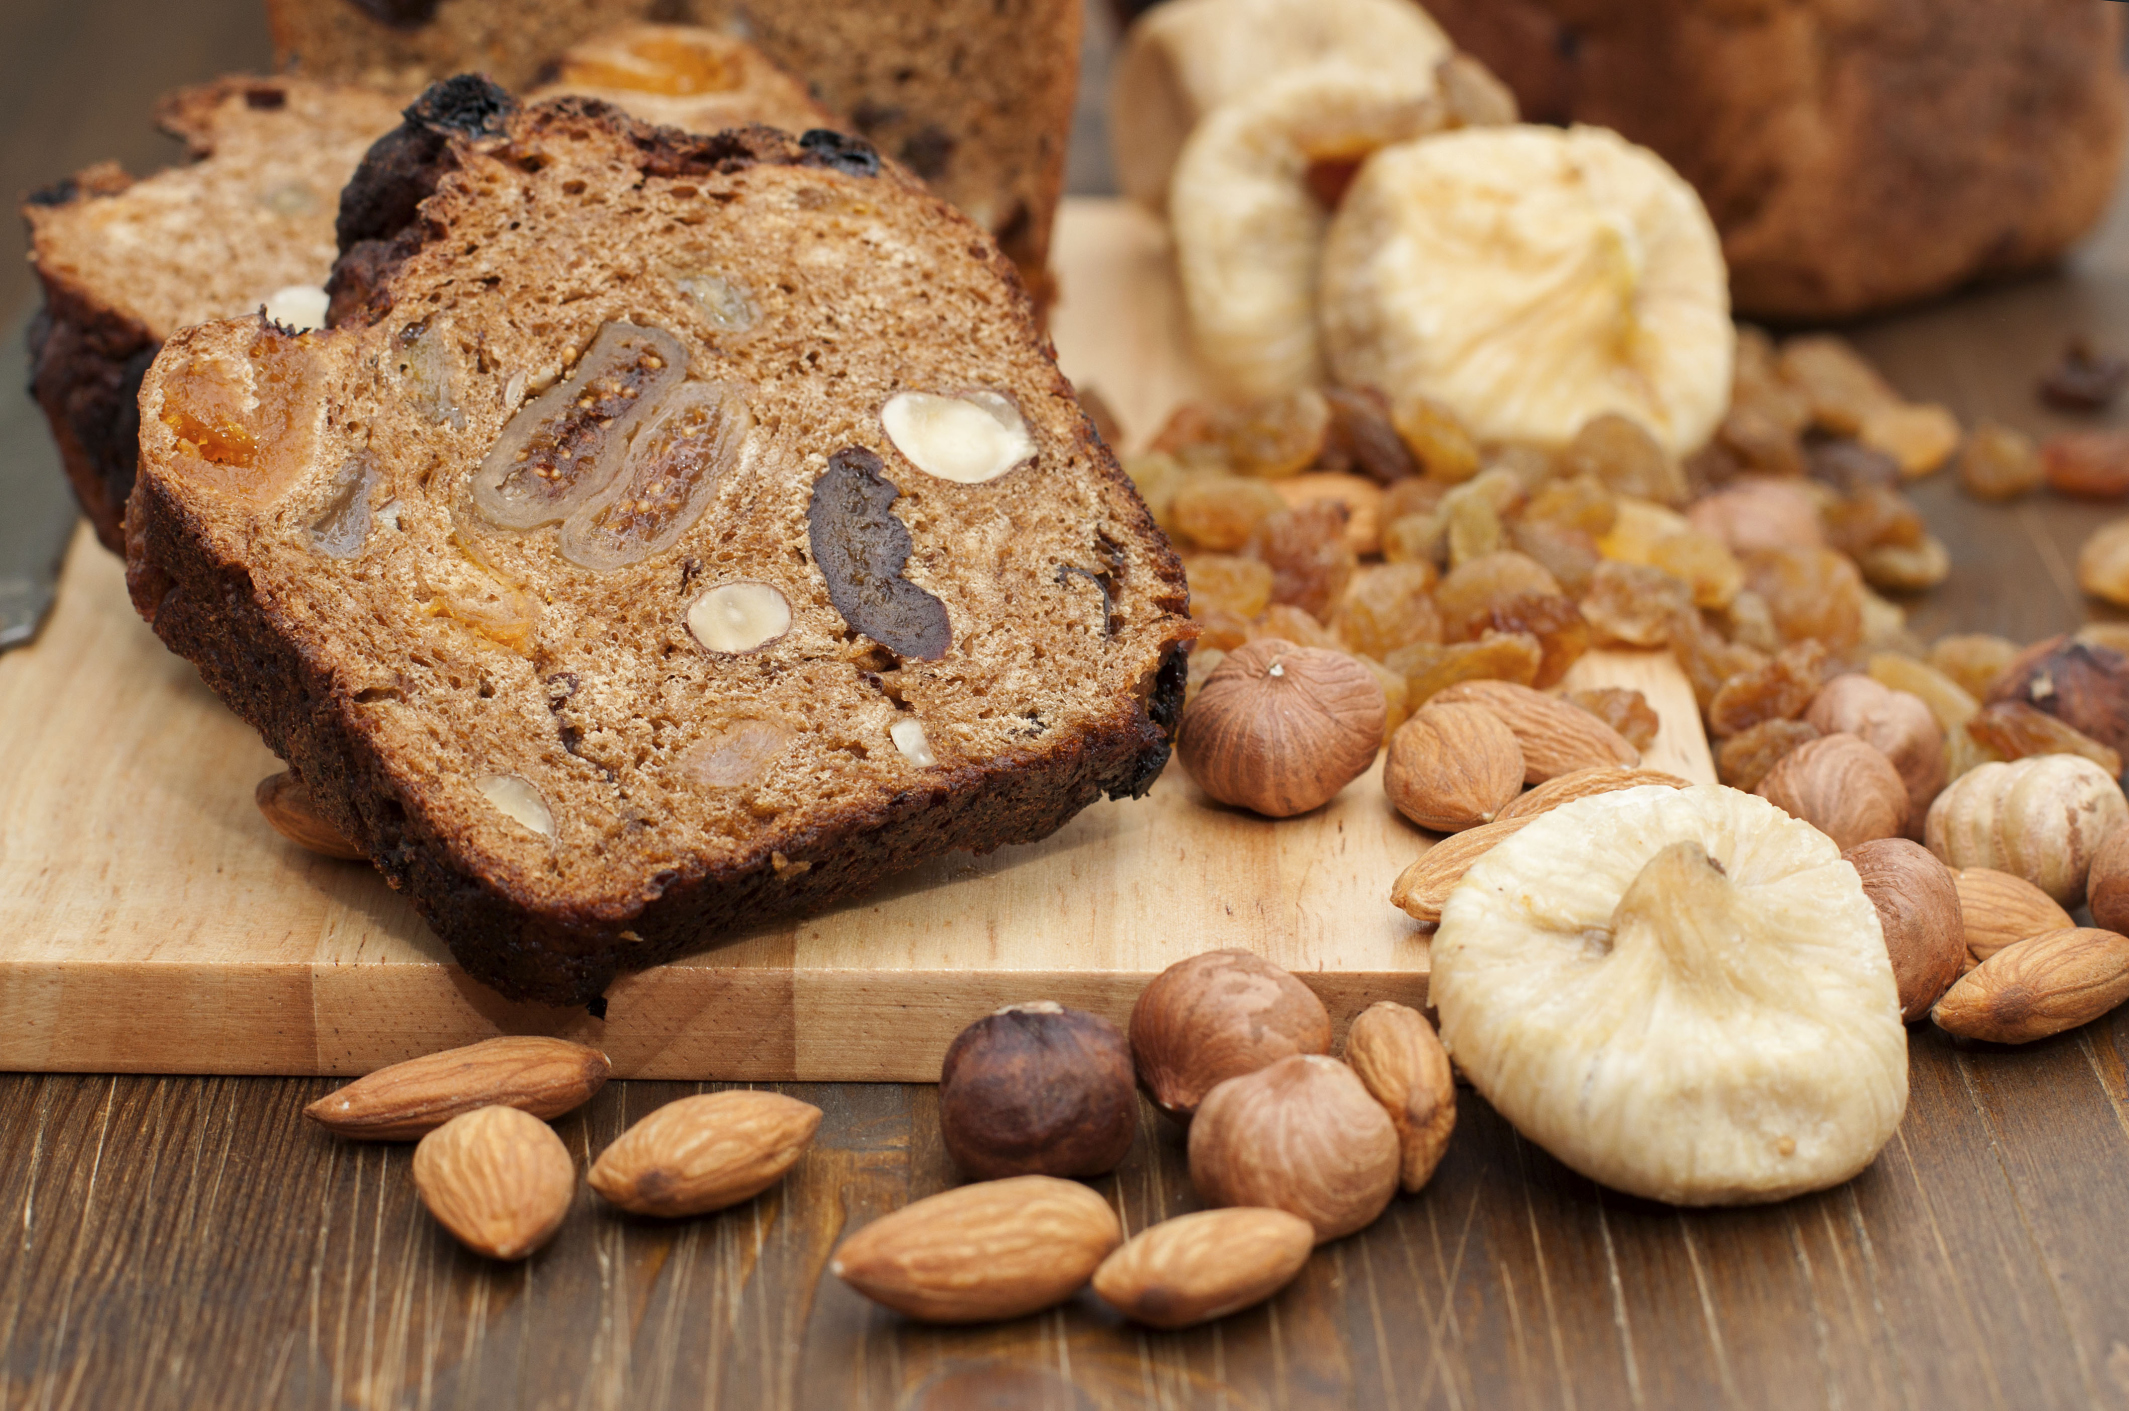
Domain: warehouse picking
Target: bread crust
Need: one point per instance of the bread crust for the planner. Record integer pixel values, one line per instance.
(528, 942)
(1854, 156)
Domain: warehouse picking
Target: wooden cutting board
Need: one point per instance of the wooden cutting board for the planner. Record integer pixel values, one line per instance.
(151, 922)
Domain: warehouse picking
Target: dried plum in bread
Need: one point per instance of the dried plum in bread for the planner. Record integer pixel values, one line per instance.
(670, 532)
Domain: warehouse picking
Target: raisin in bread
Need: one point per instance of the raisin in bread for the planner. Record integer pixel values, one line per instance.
(126, 263)
(1854, 155)
(975, 96)
(669, 532)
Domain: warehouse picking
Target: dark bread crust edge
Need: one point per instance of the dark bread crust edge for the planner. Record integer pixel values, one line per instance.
(86, 365)
(208, 610)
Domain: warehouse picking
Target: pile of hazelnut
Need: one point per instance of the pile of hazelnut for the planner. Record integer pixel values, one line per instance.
(1288, 1148)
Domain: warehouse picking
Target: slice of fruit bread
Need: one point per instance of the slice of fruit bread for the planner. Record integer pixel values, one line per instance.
(670, 531)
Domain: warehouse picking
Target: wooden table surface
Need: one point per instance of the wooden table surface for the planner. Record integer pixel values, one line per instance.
(191, 1242)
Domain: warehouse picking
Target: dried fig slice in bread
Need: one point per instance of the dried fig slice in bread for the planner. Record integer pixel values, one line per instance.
(563, 447)
(686, 441)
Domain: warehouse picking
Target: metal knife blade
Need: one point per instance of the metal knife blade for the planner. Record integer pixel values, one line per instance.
(40, 514)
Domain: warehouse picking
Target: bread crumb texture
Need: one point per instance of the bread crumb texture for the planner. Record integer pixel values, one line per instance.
(602, 372)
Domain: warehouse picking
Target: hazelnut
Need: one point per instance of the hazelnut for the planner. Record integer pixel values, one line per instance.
(1301, 1136)
(1038, 1090)
(1401, 1062)
(2041, 818)
(2080, 683)
(1898, 724)
(2107, 885)
(1216, 1016)
(1918, 909)
(1453, 767)
(1840, 786)
(1280, 729)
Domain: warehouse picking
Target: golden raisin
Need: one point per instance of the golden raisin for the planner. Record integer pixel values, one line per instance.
(1474, 529)
(1157, 476)
(1467, 595)
(1620, 452)
(1395, 692)
(1905, 568)
(1388, 606)
(1850, 466)
(2093, 464)
(1947, 700)
(1872, 517)
(1707, 659)
(1760, 443)
(1499, 657)
(1973, 659)
(1530, 465)
(1756, 383)
(1440, 443)
(1637, 528)
(1554, 620)
(1703, 563)
(1999, 463)
(1746, 757)
(1309, 557)
(1291, 624)
(1414, 538)
(2014, 730)
(1811, 593)
(1780, 690)
(1633, 603)
(1417, 495)
(1583, 503)
(1921, 436)
(1747, 621)
(1361, 497)
(1277, 436)
(1203, 662)
(1228, 582)
(2103, 563)
(1569, 555)
(1362, 440)
(1835, 381)
(1220, 629)
(1220, 512)
(1626, 711)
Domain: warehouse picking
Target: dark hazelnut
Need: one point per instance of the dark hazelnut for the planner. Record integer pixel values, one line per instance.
(1217, 1016)
(1038, 1090)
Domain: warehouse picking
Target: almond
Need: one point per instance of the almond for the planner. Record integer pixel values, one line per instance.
(1453, 767)
(288, 807)
(1422, 889)
(1557, 736)
(1198, 1267)
(497, 1178)
(542, 1076)
(1841, 786)
(1402, 1064)
(1997, 909)
(1582, 784)
(704, 1153)
(996, 1249)
(2039, 986)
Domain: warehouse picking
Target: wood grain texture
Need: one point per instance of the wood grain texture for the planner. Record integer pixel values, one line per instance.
(163, 927)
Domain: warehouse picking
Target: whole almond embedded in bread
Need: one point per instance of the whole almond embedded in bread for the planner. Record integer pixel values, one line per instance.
(542, 1076)
(1422, 890)
(2039, 986)
(996, 1249)
(1557, 736)
(706, 1152)
(498, 1179)
(1998, 909)
(1205, 1265)
(1452, 767)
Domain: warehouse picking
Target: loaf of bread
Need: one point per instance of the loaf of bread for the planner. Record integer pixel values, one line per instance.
(127, 263)
(1854, 155)
(669, 532)
(975, 96)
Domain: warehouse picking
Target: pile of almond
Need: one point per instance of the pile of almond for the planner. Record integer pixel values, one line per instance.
(1289, 1146)
(494, 1174)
